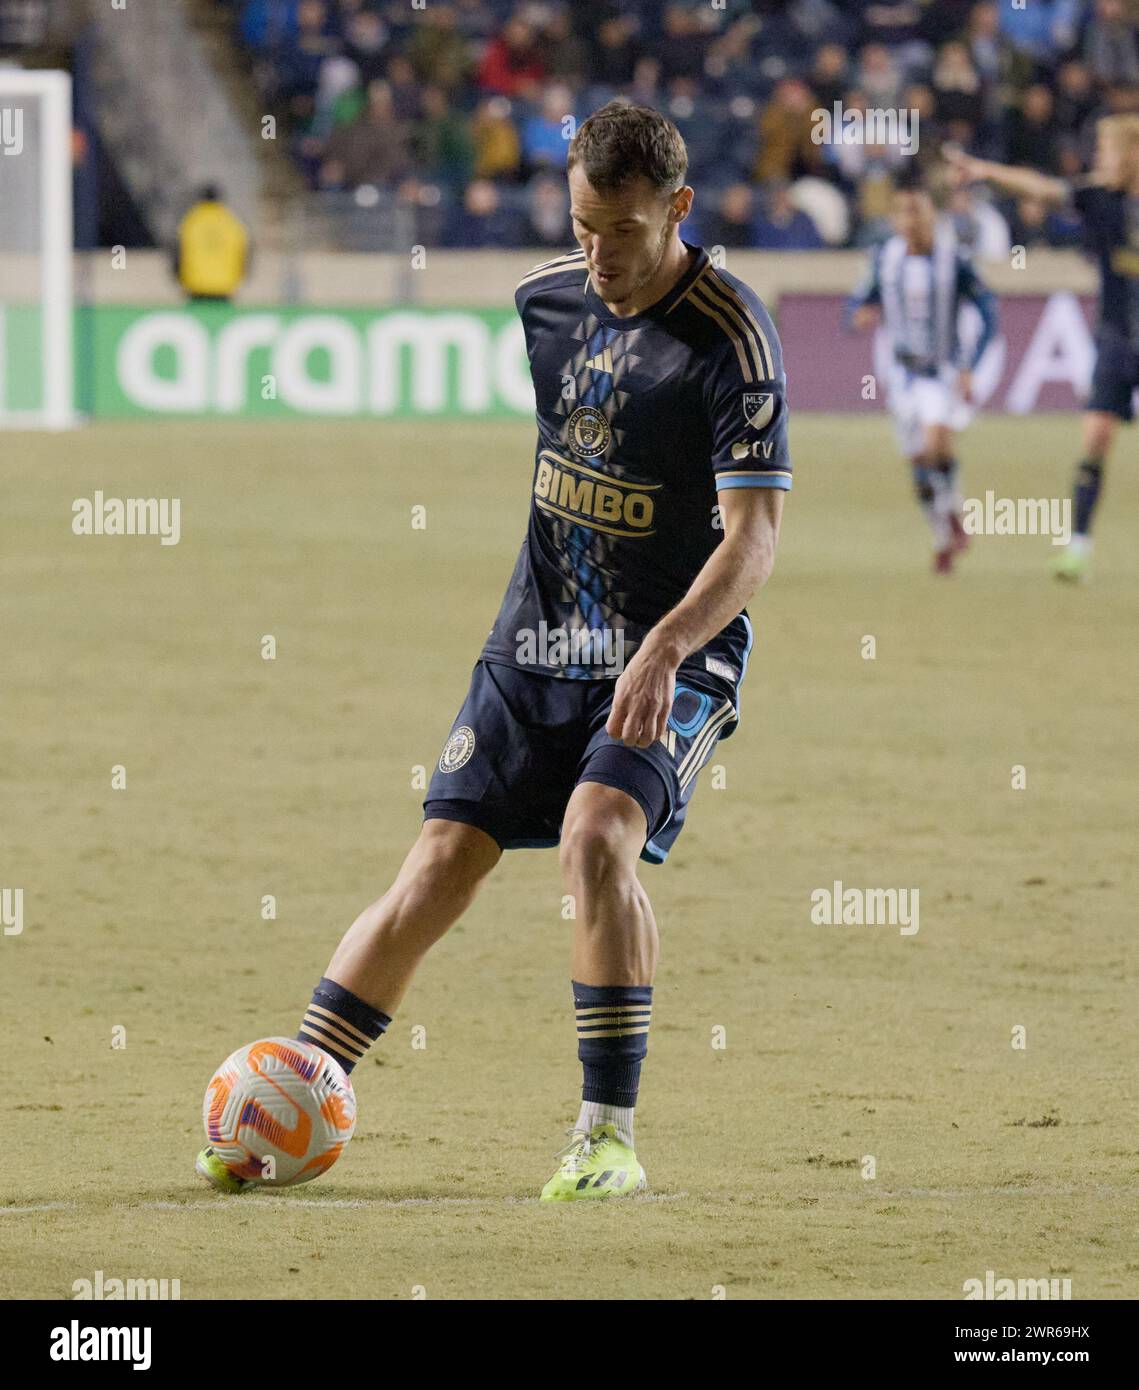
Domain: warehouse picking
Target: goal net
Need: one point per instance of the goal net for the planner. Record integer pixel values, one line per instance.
(36, 241)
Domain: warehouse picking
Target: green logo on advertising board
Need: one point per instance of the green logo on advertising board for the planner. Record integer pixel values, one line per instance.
(218, 360)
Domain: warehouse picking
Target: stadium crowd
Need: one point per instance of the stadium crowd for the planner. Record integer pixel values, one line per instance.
(458, 110)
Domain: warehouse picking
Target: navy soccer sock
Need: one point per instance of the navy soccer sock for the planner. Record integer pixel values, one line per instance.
(341, 1023)
(612, 1041)
(1085, 494)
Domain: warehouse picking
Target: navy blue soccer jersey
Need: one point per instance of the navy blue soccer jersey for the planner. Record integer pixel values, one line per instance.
(1111, 235)
(641, 421)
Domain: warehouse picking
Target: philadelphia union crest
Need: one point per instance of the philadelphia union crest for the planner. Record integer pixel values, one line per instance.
(588, 431)
(458, 751)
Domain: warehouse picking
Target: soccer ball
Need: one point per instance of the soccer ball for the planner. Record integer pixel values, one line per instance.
(279, 1111)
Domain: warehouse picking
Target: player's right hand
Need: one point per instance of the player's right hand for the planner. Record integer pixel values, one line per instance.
(865, 316)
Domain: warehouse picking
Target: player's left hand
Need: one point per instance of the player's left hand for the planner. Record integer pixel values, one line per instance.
(643, 699)
(965, 386)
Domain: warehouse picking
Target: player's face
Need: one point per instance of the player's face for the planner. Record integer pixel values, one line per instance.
(913, 219)
(624, 234)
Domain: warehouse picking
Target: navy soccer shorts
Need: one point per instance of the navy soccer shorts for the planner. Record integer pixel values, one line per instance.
(1115, 379)
(521, 742)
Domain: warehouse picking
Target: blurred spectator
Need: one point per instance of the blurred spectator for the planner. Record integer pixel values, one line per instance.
(1075, 97)
(482, 220)
(879, 76)
(732, 223)
(956, 86)
(983, 39)
(875, 193)
(785, 124)
(444, 148)
(829, 75)
(613, 57)
(922, 104)
(375, 148)
(781, 226)
(1032, 136)
(1043, 30)
(365, 42)
(546, 135)
(314, 42)
(979, 225)
(646, 82)
(682, 47)
(563, 55)
(498, 150)
(268, 24)
(439, 52)
(512, 65)
(548, 220)
(1110, 48)
(407, 94)
(729, 63)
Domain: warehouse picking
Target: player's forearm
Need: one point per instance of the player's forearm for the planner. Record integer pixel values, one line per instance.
(732, 574)
(1025, 183)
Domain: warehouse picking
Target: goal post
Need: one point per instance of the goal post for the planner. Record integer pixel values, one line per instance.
(36, 250)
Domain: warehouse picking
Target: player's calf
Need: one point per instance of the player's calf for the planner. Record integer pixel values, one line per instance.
(373, 966)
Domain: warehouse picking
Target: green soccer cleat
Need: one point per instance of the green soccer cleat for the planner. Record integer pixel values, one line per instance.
(217, 1174)
(1071, 565)
(595, 1166)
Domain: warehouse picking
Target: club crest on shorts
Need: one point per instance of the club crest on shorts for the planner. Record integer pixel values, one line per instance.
(759, 407)
(458, 750)
(588, 431)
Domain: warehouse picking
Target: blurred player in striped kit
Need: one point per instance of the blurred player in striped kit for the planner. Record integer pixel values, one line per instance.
(918, 280)
(1108, 203)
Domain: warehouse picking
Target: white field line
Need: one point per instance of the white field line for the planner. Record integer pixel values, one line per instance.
(251, 1201)
(246, 1202)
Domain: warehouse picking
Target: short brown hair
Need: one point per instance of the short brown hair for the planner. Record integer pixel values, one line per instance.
(620, 141)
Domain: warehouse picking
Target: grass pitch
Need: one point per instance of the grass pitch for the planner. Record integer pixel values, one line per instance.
(294, 777)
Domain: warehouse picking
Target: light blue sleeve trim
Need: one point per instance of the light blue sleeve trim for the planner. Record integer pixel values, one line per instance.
(753, 480)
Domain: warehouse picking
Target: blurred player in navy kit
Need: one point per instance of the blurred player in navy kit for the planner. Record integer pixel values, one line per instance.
(615, 662)
(1108, 202)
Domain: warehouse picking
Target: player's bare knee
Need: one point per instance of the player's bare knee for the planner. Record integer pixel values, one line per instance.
(594, 848)
(450, 860)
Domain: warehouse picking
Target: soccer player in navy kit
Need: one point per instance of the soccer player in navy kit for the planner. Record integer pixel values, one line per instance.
(615, 662)
(1108, 202)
